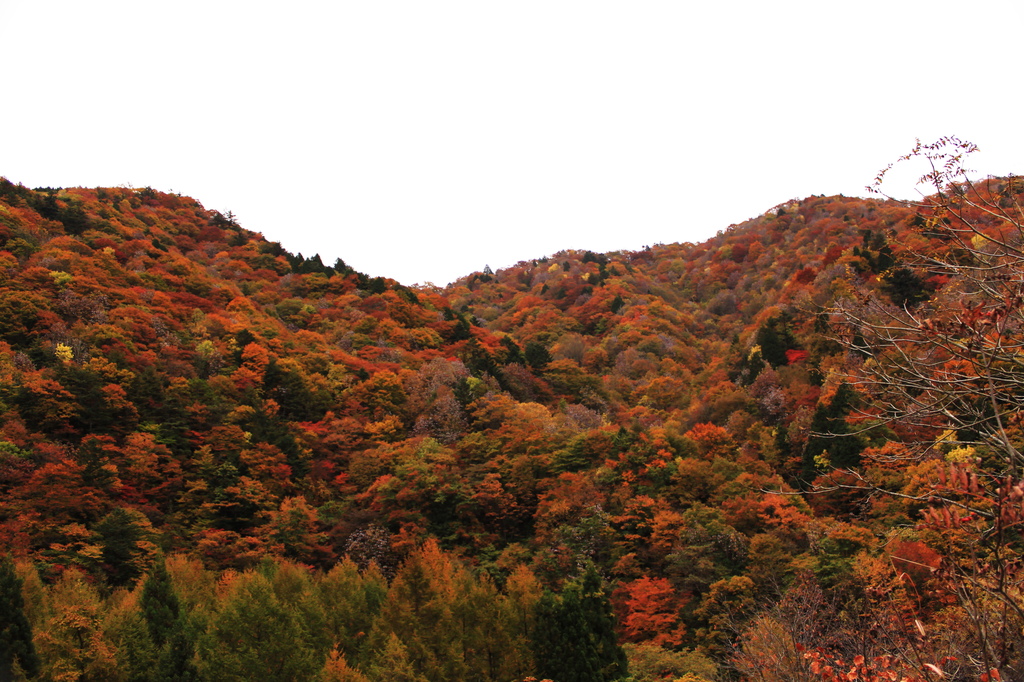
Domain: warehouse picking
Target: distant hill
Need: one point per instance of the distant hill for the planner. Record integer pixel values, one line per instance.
(641, 411)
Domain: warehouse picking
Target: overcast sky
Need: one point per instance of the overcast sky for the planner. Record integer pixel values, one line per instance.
(424, 139)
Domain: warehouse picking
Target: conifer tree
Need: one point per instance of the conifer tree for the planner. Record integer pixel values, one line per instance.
(124, 537)
(393, 663)
(256, 637)
(168, 626)
(160, 603)
(351, 602)
(135, 652)
(337, 669)
(775, 338)
(175, 662)
(561, 643)
(830, 435)
(574, 638)
(15, 632)
(519, 607)
(418, 610)
(537, 356)
(597, 610)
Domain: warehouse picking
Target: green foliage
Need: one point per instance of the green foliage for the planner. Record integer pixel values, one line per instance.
(124, 536)
(256, 636)
(574, 639)
(513, 352)
(16, 646)
(904, 287)
(831, 444)
(160, 604)
(537, 356)
(393, 663)
(352, 601)
(774, 338)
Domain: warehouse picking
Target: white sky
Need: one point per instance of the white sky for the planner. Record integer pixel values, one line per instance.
(423, 139)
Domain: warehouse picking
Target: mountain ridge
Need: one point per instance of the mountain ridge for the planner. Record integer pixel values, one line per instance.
(166, 373)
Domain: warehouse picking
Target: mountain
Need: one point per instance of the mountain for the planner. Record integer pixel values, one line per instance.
(173, 381)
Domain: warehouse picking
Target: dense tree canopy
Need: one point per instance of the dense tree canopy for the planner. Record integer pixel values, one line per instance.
(703, 459)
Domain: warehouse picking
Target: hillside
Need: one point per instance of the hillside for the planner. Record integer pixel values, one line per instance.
(176, 386)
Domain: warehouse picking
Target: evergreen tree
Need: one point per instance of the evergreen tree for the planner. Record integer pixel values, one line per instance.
(574, 639)
(597, 609)
(15, 632)
(135, 652)
(830, 435)
(904, 287)
(351, 602)
(256, 637)
(775, 338)
(175, 662)
(513, 352)
(159, 603)
(561, 641)
(393, 663)
(169, 626)
(124, 537)
(537, 356)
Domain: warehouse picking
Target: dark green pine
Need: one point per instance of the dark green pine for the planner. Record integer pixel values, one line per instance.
(159, 603)
(574, 640)
(597, 609)
(168, 626)
(15, 630)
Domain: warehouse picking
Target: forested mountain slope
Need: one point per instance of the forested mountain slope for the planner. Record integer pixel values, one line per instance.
(634, 426)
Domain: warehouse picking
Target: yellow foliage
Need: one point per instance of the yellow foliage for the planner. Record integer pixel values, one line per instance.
(64, 353)
(960, 455)
(61, 278)
(388, 429)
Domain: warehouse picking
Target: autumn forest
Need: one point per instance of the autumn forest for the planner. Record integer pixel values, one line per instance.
(790, 453)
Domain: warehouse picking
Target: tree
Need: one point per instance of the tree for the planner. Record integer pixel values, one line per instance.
(16, 647)
(519, 608)
(255, 636)
(352, 600)
(651, 609)
(428, 620)
(168, 626)
(561, 646)
(830, 443)
(947, 375)
(337, 669)
(393, 663)
(72, 644)
(775, 338)
(953, 362)
(574, 638)
(124, 537)
(294, 526)
(160, 603)
(537, 356)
